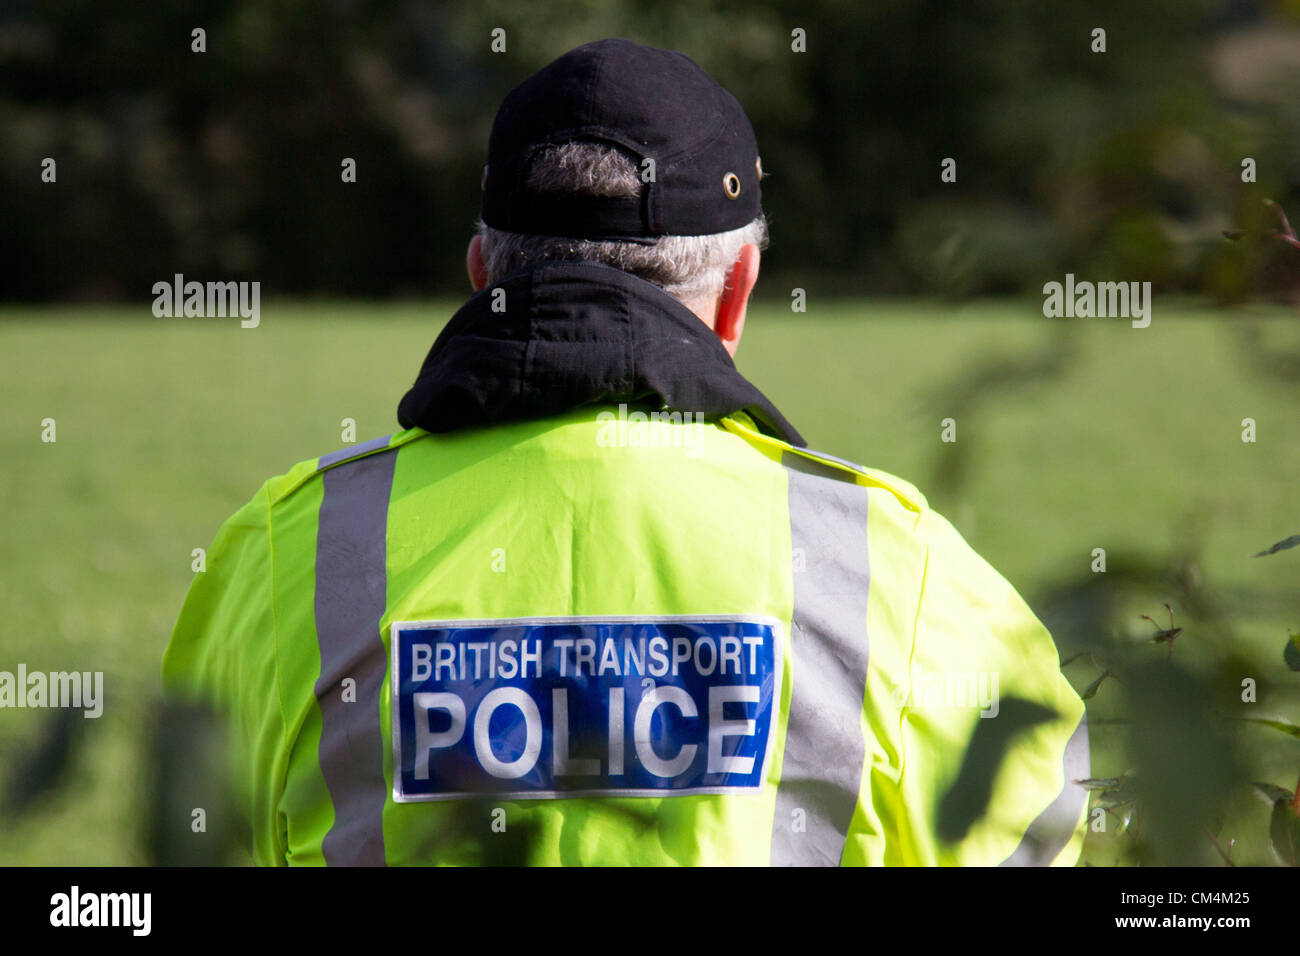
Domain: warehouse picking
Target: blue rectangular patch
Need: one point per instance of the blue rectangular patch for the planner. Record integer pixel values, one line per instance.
(583, 706)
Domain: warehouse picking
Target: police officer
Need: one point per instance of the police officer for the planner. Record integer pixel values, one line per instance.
(597, 602)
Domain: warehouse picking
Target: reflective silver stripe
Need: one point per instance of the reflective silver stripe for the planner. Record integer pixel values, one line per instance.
(821, 769)
(1049, 834)
(351, 594)
(350, 451)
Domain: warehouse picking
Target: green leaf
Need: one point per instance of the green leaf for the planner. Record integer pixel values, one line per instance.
(1091, 690)
(1114, 799)
(1126, 819)
(1290, 730)
(1284, 833)
(1291, 653)
(1272, 792)
(1113, 792)
(1283, 545)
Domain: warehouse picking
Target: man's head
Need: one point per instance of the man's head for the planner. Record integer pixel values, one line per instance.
(633, 157)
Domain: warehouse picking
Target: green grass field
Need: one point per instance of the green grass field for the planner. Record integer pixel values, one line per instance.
(1072, 435)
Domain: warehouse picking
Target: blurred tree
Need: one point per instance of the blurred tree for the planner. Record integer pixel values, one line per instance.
(226, 163)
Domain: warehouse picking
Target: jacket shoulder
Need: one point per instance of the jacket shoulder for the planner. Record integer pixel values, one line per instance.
(907, 495)
(283, 486)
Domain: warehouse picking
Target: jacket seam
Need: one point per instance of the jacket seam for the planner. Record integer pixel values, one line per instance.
(418, 433)
(911, 658)
(282, 782)
(902, 497)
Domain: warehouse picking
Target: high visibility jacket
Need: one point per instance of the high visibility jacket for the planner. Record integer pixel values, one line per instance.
(562, 618)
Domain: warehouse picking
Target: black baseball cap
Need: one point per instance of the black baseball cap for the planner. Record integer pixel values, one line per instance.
(651, 104)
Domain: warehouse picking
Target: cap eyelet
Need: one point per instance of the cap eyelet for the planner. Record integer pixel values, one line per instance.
(758, 166)
(731, 185)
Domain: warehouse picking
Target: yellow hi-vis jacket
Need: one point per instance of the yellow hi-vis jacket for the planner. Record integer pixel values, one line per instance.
(634, 626)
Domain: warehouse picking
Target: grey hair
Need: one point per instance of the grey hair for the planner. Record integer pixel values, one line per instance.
(688, 267)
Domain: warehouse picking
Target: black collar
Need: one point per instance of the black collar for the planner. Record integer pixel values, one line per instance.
(571, 333)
